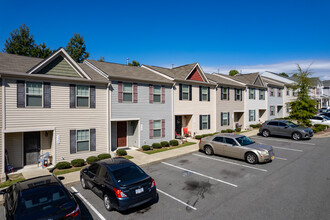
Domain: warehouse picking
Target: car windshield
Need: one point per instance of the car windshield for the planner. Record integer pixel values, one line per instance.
(325, 117)
(128, 173)
(42, 200)
(243, 141)
(291, 124)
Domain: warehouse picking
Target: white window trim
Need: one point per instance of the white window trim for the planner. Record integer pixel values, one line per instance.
(238, 96)
(253, 93)
(225, 93)
(261, 91)
(128, 92)
(42, 94)
(270, 109)
(207, 122)
(153, 129)
(89, 140)
(89, 94)
(154, 93)
(253, 115)
(203, 93)
(279, 92)
(185, 92)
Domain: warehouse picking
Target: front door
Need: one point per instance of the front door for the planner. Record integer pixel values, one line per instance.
(31, 147)
(121, 134)
(178, 124)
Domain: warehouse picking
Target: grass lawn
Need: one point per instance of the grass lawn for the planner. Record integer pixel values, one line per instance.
(12, 179)
(64, 171)
(128, 157)
(168, 148)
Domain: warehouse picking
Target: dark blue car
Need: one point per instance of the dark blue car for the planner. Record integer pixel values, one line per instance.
(120, 183)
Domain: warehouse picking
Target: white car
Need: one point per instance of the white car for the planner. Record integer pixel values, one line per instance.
(320, 119)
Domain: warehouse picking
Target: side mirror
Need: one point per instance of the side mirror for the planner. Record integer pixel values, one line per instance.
(286, 126)
(2, 192)
(61, 178)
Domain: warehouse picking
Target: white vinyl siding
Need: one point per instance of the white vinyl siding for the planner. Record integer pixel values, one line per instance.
(157, 128)
(157, 93)
(204, 122)
(205, 94)
(185, 92)
(83, 140)
(82, 96)
(127, 92)
(34, 94)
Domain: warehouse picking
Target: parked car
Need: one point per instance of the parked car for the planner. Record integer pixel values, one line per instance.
(320, 119)
(42, 197)
(326, 114)
(286, 129)
(119, 182)
(237, 146)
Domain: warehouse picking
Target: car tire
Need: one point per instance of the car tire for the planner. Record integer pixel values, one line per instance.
(265, 133)
(107, 203)
(296, 136)
(83, 183)
(251, 158)
(208, 150)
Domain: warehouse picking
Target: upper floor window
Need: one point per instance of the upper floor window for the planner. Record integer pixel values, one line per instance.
(261, 94)
(185, 92)
(279, 92)
(271, 91)
(82, 140)
(33, 94)
(127, 92)
(294, 92)
(157, 93)
(157, 129)
(225, 93)
(205, 93)
(238, 94)
(82, 96)
(252, 93)
(287, 91)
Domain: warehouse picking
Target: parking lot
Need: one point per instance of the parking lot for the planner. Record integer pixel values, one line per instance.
(195, 186)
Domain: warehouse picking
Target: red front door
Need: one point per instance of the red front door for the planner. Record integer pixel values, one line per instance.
(121, 133)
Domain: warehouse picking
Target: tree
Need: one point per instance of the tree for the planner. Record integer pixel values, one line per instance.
(304, 107)
(20, 42)
(101, 59)
(41, 51)
(284, 74)
(76, 48)
(134, 63)
(233, 72)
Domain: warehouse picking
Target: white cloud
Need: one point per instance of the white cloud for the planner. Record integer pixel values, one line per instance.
(319, 68)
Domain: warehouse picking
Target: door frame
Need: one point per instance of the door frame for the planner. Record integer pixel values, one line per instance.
(175, 124)
(126, 134)
(23, 150)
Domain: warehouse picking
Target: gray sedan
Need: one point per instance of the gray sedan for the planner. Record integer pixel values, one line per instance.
(237, 146)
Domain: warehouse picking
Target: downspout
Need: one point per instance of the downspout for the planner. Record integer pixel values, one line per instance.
(108, 118)
(173, 117)
(3, 125)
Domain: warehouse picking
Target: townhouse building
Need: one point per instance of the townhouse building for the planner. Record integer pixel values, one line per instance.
(326, 92)
(193, 99)
(50, 105)
(230, 98)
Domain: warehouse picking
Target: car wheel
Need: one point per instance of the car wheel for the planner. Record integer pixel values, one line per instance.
(107, 203)
(251, 158)
(208, 150)
(296, 136)
(83, 183)
(265, 133)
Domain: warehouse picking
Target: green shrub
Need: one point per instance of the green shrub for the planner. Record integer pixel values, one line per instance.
(238, 129)
(92, 159)
(165, 144)
(230, 130)
(104, 156)
(121, 152)
(315, 130)
(255, 125)
(63, 165)
(198, 137)
(146, 147)
(156, 145)
(215, 133)
(223, 131)
(78, 162)
(174, 142)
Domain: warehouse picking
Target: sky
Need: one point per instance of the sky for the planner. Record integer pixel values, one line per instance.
(249, 36)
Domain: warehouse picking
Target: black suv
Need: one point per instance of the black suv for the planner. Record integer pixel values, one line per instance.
(42, 197)
(119, 182)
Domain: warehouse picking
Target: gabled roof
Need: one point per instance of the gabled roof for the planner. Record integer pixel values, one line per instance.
(224, 81)
(326, 83)
(250, 79)
(125, 72)
(272, 82)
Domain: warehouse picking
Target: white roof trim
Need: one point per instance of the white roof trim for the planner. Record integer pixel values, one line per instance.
(159, 73)
(125, 119)
(29, 129)
(67, 58)
(96, 69)
(197, 65)
(229, 79)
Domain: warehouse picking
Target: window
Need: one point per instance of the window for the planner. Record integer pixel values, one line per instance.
(204, 122)
(93, 168)
(251, 115)
(224, 94)
(82, 140)
(261, 94)
(225, 119)
(272, 110)
(238, 94)
(279, 92)
(294, 93)
(102, 172)
(82, 96)
(33, 94)
(287, 107)
(205, 94)
(218, 139)
(185, 92)
(273, 123)
(157, 93)
(287, 91)
(271, 91)
(157, 128)
(127, 92)
(231, 141)
(251, 93)
(281, 124)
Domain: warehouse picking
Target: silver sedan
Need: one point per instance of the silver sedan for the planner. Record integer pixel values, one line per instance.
(237, 146)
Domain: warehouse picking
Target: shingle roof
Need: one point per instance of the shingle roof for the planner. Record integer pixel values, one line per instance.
(248, 78)
(222, 81)
(119, 70)
(272, 82)
(326, 83)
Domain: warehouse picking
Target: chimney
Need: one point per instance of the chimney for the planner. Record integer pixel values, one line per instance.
(127, 61)
(172, 66)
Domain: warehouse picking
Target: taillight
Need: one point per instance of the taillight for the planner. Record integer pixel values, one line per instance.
(260, 126)
(119, 193)
(153, 184)
(74, 213)
(200, 140)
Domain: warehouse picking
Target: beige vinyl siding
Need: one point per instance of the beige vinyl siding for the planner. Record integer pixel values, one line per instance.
(1, 147)
(14, 147)
(59, 67)
(61, 117)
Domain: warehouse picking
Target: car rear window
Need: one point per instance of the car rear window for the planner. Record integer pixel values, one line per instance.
(128, 173)
(274, 123)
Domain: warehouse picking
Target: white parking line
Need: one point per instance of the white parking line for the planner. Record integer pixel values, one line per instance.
(280, 158)
(176, 199)
(90, 205)
(283, 148)
(191, 171)
(272, 139)
(230, 162)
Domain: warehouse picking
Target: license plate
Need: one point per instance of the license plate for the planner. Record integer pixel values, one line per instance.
(273, 157)
(138, 191)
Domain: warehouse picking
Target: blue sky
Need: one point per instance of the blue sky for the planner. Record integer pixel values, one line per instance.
(220, 35)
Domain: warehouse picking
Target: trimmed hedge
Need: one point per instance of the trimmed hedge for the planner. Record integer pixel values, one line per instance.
(198, 137)
(319, 127)
(174, 142)
(146, 147)
(238, 129)
(63, 165)
(165, 144)
(121, 152)
(255, 125)
(92, 159)
(78, 162)
(227, 131)
(156, 145)
(104, 156)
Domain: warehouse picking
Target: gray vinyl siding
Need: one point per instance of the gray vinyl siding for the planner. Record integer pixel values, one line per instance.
(275, 101)
(144, 111)
(59, 67)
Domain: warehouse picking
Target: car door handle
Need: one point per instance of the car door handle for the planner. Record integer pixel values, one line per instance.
(103, 185)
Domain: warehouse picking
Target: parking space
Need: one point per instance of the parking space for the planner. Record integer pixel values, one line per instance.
(197, 186)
